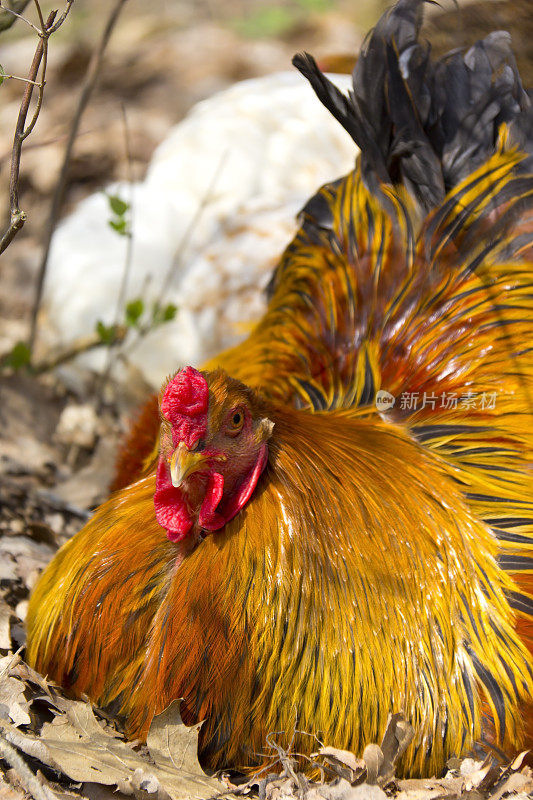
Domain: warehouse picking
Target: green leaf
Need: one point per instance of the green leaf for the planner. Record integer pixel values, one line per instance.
(120, 226)
(134, 310)
(105, 332)
(169, 312)
(117, 205)
(18, 357)
(162, 314)
(2, 74)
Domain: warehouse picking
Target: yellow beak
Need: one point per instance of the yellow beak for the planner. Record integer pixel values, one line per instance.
(183, 463)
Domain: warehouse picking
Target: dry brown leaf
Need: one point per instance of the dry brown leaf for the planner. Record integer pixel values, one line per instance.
(5, 632)
(523, 758)
(398, 735)
(467, 766)
(281, 789)
(19, 669)
(13, 704)
(364, 792)
(483, 778)
(343, 790)
(428, 788)
(345, 757)
(172, 744)
(517, 782)
(27, 743)
(27, 554)
(8, 792)
(373, 758)
(86, 752)
(77, 745)
(96, 791)
(344, 763)
(378, 762)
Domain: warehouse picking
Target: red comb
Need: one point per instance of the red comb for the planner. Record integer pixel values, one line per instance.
(185, 404)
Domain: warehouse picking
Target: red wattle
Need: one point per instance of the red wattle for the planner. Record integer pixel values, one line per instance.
(209, 519)
(230, 507)
(246, 489)
(171, 509)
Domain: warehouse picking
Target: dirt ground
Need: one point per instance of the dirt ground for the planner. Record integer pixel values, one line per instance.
(57, 445)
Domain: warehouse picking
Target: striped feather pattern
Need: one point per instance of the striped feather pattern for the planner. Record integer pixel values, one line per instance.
(438, 312)
(322, 610)
(384, 562)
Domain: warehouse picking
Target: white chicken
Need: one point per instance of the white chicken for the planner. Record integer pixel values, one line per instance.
(208, 223)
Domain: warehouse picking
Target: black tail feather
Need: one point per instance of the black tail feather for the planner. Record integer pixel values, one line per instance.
(422, 123)
(343, 109)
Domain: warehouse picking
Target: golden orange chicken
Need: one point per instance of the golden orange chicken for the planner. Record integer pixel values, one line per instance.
(337, 520)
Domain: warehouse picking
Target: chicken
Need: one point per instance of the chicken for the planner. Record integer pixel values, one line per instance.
(208, 223)
(337, 520)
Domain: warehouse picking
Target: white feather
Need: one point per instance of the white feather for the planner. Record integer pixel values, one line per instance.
(234, 173)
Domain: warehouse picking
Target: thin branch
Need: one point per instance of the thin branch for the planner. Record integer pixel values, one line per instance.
(122, 294)
(62, 18)
(12, 15)
(41, 18)
(17, 217)
(16, 223)
(206, 199)
(45, 143)
(6, 77)
(87, 90)
(41, 84)
(129, 247)
(186, 237)
(82, 345)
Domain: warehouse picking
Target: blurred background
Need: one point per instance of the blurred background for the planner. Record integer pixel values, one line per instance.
(164, 56)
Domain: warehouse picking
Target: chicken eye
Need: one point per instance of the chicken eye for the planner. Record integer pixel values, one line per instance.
(236, 422)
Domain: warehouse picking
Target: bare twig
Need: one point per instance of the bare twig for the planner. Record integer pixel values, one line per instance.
(82, 345)
(12, 12)
(22, 131)
(17, 78)
(44, 142)
(45, 26)
(129, 235)
(121, 301)
(88, 87)
(18, 217)
(206, 199)
(62, 18)
(41, 18)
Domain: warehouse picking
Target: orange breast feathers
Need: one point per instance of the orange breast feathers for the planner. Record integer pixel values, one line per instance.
(327, 586)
